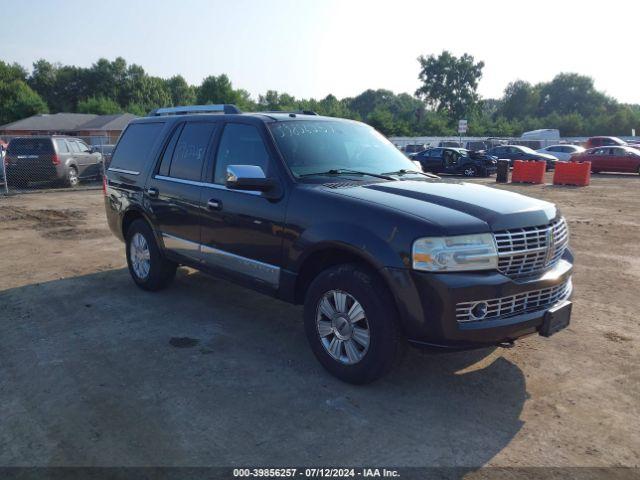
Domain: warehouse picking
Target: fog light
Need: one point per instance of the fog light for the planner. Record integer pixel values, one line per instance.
(479, 310)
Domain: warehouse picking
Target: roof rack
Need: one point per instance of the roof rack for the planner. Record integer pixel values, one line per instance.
(295, 112)
(186, 110)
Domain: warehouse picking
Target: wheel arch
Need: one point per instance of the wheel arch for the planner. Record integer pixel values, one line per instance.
(132, 214)
(326, 256)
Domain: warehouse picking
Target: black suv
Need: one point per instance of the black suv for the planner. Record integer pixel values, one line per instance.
(51, 159)
(327, 213)
(457, 161)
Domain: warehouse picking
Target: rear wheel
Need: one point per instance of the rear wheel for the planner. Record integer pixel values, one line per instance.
(350, 322)
(148, 268)
(72, 179)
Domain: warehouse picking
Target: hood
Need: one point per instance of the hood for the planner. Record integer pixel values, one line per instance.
(546, 156)
(456, 207)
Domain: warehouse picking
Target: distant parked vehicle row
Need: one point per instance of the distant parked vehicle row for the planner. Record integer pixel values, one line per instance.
(562, 152)
(458, 161)
(519, 152)
(51, 159)
(622, 159)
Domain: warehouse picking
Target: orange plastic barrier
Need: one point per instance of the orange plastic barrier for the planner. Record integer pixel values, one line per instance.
(572, 173)
(528, 172)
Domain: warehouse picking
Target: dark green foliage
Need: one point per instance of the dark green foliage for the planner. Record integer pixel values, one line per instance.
(17, 99)
(448, 93)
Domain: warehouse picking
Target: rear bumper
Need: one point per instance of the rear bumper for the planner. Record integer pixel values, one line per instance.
(427, 305)
(35, 172)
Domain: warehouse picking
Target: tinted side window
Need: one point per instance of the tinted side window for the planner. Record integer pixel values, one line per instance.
(190, 150)
(134, 146)
(240, 145)
(62, 145)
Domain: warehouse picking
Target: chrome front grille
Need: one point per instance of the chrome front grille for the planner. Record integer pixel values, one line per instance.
(530, 250)
(497, 308)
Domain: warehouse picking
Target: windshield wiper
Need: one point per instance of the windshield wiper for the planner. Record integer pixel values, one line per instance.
(346, 171)
(404, 171)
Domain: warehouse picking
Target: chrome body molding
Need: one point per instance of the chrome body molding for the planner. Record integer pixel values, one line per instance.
(252, 268)
(122, 170)
(179, 245)
(203, 184)
(214, 257)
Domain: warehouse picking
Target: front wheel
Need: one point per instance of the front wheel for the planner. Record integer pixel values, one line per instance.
(350, 323)
(148, 268)
(470, 171)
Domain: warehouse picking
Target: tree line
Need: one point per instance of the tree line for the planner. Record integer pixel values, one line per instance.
(447, 93)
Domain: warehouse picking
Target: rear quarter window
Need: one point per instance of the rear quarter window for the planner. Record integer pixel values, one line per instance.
(61, 144)
(134, 148)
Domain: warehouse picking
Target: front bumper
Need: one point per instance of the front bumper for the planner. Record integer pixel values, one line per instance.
(428, 304)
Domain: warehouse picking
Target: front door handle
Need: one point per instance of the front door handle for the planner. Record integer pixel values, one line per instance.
(214, 204)
(152, 192)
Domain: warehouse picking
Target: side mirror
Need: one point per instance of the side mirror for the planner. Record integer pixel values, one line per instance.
(248, 177)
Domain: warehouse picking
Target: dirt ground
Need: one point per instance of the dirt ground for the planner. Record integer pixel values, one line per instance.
(93, 371)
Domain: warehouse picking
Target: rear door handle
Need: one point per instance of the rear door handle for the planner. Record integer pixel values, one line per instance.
(152, 192)
(214, 204)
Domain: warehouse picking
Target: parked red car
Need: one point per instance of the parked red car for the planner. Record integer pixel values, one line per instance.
(611, 159)
(604, 142)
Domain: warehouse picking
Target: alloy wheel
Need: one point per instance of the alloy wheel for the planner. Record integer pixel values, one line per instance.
(343, 327)
(140, 256)
(73, 177)
(470, 172)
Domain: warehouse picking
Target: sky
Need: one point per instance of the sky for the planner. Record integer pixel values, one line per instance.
(310, 48)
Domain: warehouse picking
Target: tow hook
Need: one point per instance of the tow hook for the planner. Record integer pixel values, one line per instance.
(507, 344)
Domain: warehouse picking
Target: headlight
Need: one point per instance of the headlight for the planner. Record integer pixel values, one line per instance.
(450, 254)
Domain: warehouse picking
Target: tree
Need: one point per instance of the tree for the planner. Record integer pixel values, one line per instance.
(11, 72)
(217, 90)
(449, 83)
(144, 91)
(18, 100)
(572, 93)
(99, 106)
(43, 80)
(181, 92)
(520, 100)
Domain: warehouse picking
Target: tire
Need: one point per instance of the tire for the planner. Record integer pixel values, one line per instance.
(371, 342)
(470, 171)
(157, 272)
(71, 179)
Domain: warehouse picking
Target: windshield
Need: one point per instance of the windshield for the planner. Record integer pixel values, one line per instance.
(316, 146)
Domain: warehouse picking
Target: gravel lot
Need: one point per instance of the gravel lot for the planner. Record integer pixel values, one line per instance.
(94, 371)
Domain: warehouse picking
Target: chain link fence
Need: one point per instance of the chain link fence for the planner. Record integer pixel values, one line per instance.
(48, 162)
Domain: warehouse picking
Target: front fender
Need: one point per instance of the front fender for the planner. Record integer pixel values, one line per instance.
(356, 239)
